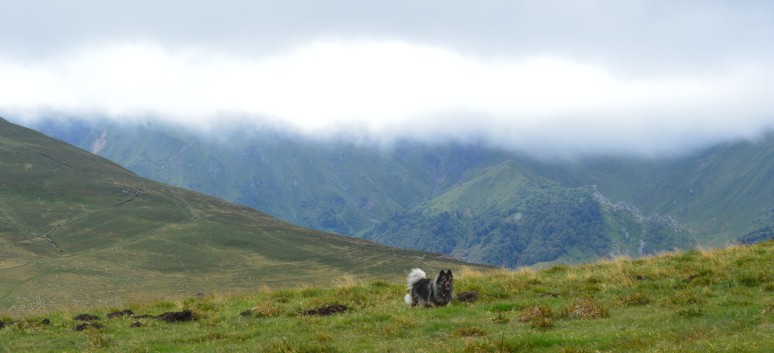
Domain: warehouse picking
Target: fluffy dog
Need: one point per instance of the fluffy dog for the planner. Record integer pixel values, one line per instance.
(427, 292)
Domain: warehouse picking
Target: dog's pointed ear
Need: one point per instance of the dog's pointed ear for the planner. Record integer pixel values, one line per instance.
(449, 273)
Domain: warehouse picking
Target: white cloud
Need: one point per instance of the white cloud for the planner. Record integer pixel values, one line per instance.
(557, 77)
(389, 89)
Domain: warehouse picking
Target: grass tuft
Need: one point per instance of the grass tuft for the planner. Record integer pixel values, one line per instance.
(636, 299)
(536, 312)
(98, 340)
(501, 318)
(690, 311)
(585, 309)
(469, 331)
(573, 349)
(542, 323)
(502, 345)
(266, 309)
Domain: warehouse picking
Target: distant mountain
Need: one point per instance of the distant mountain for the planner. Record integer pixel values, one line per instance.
(340, 187)
(470, 201)
(503, 216)
(719, 193)
(77, 229)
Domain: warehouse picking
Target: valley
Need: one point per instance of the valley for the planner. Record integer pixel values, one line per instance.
(475, 203)
(76, 230)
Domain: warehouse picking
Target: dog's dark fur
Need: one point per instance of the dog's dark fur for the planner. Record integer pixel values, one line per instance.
(429, 292)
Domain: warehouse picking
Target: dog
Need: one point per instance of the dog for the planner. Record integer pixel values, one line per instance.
(429, 292)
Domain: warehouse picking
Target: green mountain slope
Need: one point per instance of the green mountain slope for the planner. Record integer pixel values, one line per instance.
(339, 187)
(528, 220)
(522, 212)
(722, 193)
(719, 193)
(458, 198)
(78, 229)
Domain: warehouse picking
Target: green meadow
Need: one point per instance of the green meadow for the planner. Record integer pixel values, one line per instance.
(698, 301)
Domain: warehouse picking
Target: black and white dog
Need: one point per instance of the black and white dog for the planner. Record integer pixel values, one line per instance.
(427, 292)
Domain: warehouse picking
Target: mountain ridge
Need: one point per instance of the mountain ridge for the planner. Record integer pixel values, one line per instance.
(715, 195)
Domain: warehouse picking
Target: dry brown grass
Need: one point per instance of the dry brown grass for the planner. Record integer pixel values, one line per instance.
(469, 331)
(266, 309)
(636, 299)
(585, 309)
(535, 312)
(540, 317)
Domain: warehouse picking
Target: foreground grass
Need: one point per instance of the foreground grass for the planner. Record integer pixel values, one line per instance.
(696, 301)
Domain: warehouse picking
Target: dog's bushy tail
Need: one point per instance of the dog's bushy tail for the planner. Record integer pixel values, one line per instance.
(413, 277)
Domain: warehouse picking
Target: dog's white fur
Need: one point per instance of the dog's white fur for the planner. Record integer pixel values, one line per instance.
(413, 277)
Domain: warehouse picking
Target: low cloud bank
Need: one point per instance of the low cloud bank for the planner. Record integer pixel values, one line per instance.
(387, 90)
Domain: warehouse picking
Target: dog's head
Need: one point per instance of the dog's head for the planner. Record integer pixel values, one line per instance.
(445, 281)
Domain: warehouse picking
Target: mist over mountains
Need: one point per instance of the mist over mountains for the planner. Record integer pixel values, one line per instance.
(472, 201)
(552, 79)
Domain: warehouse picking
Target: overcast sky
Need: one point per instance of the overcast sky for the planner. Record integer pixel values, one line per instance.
(546, 77)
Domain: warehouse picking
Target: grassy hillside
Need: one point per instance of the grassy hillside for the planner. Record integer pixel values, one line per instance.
(76, 229)
(699, 301)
